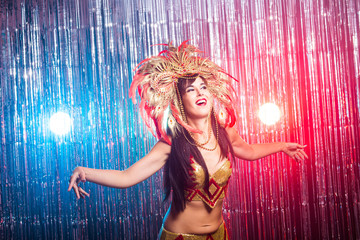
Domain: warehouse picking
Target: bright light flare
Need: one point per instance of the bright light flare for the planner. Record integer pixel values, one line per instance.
(269, 113)
(60, 123)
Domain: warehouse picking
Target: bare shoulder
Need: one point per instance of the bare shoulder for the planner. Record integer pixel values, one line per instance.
(232, 133)
(163, 145)
(149, 164)
(161, 150)
(234, 137)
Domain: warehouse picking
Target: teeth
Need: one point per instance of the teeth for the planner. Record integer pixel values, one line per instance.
(200, 101)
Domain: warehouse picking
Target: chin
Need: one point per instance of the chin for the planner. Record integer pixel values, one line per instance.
(202, 113)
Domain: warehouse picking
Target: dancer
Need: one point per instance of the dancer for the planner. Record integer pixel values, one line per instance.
(187, 103)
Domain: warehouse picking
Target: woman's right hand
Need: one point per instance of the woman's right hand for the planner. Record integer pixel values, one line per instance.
(78, 176)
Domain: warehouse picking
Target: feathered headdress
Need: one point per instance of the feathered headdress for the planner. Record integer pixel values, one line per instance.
(156, 80)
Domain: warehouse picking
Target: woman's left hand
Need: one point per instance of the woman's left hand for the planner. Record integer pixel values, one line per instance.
(295, 151)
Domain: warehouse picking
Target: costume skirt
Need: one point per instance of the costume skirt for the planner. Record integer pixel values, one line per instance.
(219, 234)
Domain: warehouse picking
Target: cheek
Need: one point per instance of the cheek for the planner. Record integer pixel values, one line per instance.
(188, 105)
(186, 102)
(211, 99)
(188, 99)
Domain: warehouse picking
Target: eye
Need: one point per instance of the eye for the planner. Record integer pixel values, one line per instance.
(189, 89)
(204, 87)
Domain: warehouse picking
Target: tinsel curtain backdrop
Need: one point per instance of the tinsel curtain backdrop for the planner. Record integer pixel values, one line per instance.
(78, 57)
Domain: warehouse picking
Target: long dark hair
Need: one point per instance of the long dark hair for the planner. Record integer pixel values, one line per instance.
(176, 170)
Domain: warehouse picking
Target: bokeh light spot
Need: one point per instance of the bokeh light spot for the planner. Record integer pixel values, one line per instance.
(269, 113)
(60, 123)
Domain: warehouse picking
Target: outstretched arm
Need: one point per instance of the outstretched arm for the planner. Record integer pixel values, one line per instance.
(136, 173)
(252, 152)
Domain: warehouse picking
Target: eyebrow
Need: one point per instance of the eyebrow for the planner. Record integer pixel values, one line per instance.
(193, 85)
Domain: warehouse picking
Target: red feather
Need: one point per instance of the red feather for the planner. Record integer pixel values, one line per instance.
(136, 81)
(231, 117)
(144, 108)
(223, 71)
(145, 60)
(163, 51)
(160, 129)
(183, 44)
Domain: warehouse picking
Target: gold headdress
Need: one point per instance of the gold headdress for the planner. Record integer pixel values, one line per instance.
(156, 80)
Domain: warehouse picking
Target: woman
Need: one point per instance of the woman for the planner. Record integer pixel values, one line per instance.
(197, 145)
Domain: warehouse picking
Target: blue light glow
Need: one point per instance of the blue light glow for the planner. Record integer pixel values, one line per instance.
(60, 123)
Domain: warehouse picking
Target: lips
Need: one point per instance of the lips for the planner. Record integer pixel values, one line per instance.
(201, 102)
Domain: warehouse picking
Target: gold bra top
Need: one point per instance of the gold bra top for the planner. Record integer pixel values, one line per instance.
(218, 182)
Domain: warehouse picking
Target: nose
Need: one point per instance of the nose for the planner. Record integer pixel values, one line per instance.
(199, 93)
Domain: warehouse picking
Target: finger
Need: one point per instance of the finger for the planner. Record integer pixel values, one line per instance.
(296, 157)
(301, 155)
(82, 195)
(301, 146)
(304, 153)
(72, 182)
(83, 192)
(76, 190)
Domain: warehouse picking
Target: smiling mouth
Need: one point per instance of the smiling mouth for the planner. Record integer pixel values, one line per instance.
(201, 102)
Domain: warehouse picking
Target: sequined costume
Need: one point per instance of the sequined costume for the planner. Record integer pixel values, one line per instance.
(218, 182)
(220, 234)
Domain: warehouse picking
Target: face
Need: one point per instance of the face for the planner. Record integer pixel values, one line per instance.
(197, 99)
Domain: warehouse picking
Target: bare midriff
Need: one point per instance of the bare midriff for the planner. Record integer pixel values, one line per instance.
(197, 218)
